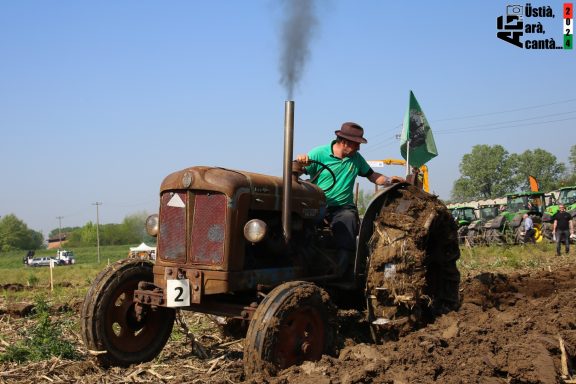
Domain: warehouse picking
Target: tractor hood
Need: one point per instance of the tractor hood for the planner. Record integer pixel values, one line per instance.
(265, 191)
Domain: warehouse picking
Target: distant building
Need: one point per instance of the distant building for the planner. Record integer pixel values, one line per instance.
(57, 242)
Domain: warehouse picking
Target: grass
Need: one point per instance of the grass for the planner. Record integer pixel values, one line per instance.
(12, 268)
(41, 341)
(69, 281)
(508, 258)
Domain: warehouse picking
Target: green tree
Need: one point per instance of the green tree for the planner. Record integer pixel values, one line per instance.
(56, 231)
(15, 234)
(364, 198)
(569, 177)
(485, 173)
(130, 231)
(83, 236)
(538, 163)
(572, 159)
(136, 226)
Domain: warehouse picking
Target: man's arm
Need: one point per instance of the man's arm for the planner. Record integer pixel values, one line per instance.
(380, 179)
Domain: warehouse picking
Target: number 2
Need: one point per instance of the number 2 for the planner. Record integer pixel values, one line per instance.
(180, 291)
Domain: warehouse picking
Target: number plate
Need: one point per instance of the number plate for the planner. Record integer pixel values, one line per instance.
(178, 293)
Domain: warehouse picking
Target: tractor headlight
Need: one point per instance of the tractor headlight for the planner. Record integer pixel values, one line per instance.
(255, 230)
(152, 225)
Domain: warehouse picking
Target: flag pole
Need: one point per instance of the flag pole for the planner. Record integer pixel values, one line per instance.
(407, 157)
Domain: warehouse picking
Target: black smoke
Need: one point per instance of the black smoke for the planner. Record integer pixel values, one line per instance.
(297, 30)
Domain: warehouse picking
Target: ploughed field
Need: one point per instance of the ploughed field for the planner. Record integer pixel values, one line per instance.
(510, 328)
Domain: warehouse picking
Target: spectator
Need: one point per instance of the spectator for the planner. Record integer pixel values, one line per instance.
(529, 231)
(562, 229)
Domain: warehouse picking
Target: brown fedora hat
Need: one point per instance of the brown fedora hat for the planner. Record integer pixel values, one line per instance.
(353, 132)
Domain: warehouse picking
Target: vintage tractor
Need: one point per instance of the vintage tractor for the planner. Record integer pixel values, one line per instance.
(253, 247)
(507, 228)
(463, 216)
(567, 197)
(476, 229)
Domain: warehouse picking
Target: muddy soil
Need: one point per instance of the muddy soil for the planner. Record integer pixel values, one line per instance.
(515, 328)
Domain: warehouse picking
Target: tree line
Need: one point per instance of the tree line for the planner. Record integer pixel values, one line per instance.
(491, 171)
(15, 234)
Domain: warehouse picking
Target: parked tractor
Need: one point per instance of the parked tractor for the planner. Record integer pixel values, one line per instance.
(567, 197)
(507, 228)
(476, 229)
(463, 216)
(256, 248)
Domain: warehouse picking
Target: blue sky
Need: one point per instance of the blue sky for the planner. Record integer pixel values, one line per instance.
(99, 101)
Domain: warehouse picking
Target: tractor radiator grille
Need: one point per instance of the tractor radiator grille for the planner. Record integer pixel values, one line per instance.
(208, 228)
(172, 234)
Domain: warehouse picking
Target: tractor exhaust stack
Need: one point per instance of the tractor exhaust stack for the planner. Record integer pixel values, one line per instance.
(287, 175)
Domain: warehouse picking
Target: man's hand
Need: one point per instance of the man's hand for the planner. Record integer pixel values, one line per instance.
(303, 159)
(397, 179)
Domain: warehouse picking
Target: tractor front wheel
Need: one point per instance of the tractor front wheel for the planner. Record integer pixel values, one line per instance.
(295, 322)
(118, 330)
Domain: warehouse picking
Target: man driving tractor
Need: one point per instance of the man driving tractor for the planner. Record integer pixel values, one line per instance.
(343, 158)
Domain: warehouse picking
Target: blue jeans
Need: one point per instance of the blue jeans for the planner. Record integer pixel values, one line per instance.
(344, 223)
(565, 234)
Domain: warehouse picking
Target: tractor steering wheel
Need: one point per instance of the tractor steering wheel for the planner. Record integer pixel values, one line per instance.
(322, 168)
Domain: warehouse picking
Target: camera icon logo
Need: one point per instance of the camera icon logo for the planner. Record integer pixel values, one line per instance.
(514, 10)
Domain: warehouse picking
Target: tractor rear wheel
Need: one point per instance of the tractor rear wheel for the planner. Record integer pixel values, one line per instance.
(114, 326)
(411, 272)
(495, 237)
(473, 238)
(295, 322)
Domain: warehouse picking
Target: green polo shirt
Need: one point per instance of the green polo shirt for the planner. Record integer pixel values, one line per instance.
(346, 170)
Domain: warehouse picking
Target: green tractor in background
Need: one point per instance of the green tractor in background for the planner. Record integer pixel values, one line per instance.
(476, 229)
(507, 228)
(463, 216)
(567, 197)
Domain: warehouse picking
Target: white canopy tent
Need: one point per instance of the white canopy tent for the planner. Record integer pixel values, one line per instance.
(143, 250)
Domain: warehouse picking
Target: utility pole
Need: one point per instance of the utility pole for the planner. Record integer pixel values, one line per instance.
(97, 204)
(59, 231)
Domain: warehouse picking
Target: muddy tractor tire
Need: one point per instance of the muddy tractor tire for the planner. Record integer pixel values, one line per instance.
(295, 322)
(495, 237)
(113, 328)
(547, 232)
(462, 233)
(519, 236)
(411, 272)
(474, 238)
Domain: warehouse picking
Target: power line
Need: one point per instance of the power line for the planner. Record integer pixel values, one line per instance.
(385, 131)
(506, 111)
(509, 122)
(506, 127)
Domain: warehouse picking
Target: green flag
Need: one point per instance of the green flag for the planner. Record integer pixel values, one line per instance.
(417, 136)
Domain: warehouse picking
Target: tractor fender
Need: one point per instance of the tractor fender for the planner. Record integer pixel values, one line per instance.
(496, 222)
(476, 224)
(367, 226)
(517, 220)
